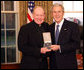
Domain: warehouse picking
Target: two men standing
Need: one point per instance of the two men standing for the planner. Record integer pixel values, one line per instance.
(65, 41)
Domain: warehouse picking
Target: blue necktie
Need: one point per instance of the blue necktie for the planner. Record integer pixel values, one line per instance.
(56, 34)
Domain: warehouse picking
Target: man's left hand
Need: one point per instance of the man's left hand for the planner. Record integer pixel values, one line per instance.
(55, 47)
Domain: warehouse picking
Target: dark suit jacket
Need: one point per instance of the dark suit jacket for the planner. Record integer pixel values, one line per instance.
(69, 41)
(30, 41)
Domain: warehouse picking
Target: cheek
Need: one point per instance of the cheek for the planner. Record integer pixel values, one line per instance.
(62, 14)
(36, 18)
(43, 18)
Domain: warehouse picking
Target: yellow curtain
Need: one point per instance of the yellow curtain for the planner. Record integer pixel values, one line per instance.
(23, 9)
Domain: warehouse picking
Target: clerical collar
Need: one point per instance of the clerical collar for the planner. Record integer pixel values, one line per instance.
(39, 25)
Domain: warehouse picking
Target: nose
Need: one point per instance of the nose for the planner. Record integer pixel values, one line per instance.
(57, 13)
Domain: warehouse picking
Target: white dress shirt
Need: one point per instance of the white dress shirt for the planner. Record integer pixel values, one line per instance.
(60, 26)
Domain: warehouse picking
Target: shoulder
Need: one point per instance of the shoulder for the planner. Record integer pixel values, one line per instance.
(52, 25)
(45, 24)
(70, 23)
(26, 26)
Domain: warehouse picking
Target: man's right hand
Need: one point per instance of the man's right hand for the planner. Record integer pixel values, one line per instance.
(44, 50)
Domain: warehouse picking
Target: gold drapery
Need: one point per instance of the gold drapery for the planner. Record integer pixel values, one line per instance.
(23, 9)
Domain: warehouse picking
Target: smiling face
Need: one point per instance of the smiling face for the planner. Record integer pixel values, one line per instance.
(58, 13)
(39, 15)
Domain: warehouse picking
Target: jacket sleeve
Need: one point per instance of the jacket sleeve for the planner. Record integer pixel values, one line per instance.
(74, 42)
(23, 44)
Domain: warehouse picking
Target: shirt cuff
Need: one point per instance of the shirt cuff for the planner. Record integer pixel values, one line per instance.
(59, 49)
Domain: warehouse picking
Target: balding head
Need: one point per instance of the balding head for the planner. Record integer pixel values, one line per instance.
(38, 14)
(40, 8)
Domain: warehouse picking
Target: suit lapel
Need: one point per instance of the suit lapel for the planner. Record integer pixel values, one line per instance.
(53, 28)
(62, 31)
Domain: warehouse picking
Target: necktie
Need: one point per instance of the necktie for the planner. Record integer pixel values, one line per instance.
(57, 34)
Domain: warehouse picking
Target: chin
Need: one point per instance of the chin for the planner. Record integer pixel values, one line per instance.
(57, 20)
(39, 23)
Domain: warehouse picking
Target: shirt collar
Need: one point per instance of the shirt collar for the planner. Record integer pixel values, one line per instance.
(60, 24)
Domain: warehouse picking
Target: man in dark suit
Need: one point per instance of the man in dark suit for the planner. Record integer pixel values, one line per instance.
(30, 42)
(65, 40)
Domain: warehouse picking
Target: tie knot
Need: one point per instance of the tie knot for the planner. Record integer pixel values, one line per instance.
(57, 26)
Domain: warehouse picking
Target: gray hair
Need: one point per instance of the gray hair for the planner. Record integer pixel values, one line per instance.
(56, 5)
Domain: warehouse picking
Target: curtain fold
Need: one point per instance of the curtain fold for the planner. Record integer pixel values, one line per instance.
(23, 9)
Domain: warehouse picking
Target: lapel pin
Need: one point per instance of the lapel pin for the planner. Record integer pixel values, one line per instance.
(65, 29)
